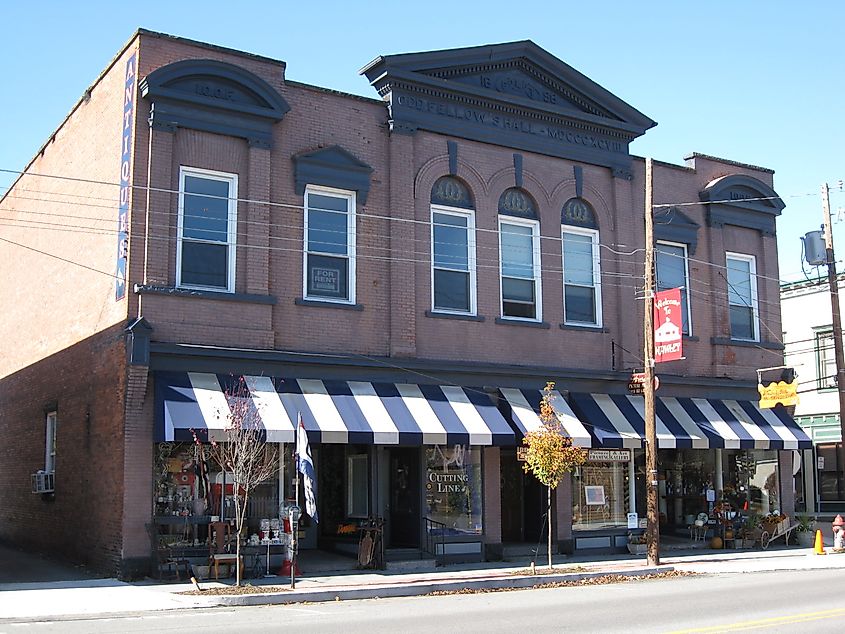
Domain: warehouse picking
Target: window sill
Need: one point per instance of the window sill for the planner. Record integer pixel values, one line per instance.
(149, 289)
(584, 328)
(691, 338)
(519, 322)
(301, 301)
(458, 316)
(742, 343)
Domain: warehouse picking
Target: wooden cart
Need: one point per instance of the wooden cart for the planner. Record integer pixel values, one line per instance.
(772, 531)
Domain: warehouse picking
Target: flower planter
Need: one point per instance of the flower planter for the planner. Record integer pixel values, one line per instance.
(638, 549)
(805, 539)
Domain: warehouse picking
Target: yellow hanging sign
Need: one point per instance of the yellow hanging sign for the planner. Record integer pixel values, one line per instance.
(780, 392)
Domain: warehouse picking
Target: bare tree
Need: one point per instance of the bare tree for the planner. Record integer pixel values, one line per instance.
(550, 455)
(244, 453)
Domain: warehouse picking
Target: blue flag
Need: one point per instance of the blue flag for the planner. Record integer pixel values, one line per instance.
(305, 465)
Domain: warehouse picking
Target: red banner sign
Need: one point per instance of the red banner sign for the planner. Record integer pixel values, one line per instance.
(668, 322)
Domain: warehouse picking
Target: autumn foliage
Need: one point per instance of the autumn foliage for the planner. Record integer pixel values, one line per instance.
(550, 455)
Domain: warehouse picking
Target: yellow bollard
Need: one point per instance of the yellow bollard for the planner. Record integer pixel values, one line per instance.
(819, 547)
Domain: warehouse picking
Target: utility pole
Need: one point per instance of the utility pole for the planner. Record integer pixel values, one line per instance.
(834, 306)
(653, 530)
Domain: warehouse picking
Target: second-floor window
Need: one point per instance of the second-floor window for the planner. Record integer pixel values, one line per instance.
(672, 272)
(205, 252)
(742, 296)
(519, 245)
(581, 277)
(453, 259)
(329, 245)
(825, 360)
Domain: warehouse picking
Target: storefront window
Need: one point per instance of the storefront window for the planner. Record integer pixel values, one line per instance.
(189, 484)
(751, 480)
(684, 478)
(453, 488)
(831, 472)
(600, 491)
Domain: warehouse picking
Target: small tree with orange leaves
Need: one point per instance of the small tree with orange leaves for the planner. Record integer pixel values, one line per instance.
(550, 455)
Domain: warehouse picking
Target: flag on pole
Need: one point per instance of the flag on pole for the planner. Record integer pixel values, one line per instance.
(305, 466)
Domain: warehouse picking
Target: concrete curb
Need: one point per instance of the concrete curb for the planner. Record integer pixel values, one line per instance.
(409, 590)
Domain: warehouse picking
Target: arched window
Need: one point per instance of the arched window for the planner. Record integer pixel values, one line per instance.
(581, 264)
(452, 247)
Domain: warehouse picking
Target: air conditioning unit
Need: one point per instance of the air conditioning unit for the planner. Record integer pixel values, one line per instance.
(43, 482)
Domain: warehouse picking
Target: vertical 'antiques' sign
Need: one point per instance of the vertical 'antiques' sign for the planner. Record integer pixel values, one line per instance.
(125, 165)
(668, 319)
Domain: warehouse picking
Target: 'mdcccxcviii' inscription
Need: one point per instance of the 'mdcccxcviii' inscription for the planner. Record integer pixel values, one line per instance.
(509, 124)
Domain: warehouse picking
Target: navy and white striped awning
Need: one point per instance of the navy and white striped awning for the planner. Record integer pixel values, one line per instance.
(618, 420)
(525, 409)
(332, 411)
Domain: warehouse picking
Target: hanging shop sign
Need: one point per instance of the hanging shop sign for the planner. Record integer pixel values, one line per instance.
(668, 321)
(608, 455)
(636, 384)
(521, 453)
(778, 392)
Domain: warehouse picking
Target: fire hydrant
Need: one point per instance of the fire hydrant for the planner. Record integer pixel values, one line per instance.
(839, 533)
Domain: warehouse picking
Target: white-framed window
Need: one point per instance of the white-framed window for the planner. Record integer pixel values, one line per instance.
(208, 215)
(825, 360)
(50, 443)
(519, 263)
(329, 254)
(452, 260)
(581, 277)
(357, 485)
(742, 296)
(673, 272)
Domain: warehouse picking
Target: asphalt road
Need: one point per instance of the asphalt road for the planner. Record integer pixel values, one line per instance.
(799, 601)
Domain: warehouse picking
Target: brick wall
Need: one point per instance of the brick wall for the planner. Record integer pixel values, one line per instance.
(83, 382)
(393, 269)
(57, 304)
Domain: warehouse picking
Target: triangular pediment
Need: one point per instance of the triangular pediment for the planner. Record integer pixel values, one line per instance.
(523, 80)
(519, 72)
(673, 216)
(334, 156)
(332, 167)
(515, 94)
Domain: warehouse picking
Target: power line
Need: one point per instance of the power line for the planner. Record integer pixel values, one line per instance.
(57, 257)
(482, 261)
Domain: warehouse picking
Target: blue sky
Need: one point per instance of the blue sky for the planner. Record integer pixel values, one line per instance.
(755, 82)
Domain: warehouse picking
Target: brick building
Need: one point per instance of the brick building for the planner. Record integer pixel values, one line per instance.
(406, 272)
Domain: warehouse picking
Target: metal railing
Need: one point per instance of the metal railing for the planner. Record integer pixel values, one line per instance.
(435, 539)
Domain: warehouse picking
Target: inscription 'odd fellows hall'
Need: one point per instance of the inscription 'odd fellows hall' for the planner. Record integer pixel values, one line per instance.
(511, 124)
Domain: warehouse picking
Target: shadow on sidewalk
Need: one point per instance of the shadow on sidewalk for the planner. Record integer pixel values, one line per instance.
(22, 567)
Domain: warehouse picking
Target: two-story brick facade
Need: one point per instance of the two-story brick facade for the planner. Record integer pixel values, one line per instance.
(405, 273)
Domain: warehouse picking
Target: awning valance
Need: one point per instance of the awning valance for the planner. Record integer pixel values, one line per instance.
(618, 420)
(524, 406)
(332, 411)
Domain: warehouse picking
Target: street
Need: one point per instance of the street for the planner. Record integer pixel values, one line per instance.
(807, 600)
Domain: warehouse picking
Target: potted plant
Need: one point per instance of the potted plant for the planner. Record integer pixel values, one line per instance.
(637, 544)
(805, 530)
(751, 530)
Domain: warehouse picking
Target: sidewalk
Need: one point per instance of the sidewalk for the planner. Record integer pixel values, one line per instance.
(83, 598)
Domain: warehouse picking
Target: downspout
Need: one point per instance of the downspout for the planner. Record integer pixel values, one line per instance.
(147, 213)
